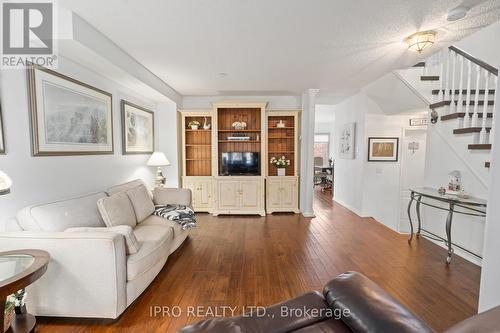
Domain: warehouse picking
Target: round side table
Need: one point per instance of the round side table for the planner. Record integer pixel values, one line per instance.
(19, 269)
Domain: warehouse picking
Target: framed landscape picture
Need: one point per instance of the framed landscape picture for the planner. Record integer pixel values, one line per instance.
(68, 117)
(383, 149)
(2, 135)
(137, 129)
(347, 141)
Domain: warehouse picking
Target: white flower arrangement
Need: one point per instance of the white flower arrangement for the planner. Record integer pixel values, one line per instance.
(239, 125)
(280, 162)
(16, 299)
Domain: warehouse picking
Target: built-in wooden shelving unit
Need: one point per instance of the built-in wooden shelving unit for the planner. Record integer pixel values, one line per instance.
(281, 141)
(197, 147)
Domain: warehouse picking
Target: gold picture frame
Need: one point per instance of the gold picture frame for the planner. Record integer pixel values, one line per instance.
(68, 117)
(381, 149)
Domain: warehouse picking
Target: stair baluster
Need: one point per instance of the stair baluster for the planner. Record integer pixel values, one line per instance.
(495, 101)
(453, 106)
(483, 138)
(441, 76)
(447, 79)
(467, 119)
(460, 84)
(475, 117)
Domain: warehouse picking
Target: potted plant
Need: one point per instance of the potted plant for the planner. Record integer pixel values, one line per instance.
(280, 163)
(194, 124)
(9, 312)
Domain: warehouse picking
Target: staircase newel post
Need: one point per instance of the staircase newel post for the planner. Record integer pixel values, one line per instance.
(485, 107)
(447, 79)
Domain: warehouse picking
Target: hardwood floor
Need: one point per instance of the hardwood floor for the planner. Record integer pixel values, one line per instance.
(243, 261)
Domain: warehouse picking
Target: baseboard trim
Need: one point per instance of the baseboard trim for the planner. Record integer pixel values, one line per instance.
(349, 207)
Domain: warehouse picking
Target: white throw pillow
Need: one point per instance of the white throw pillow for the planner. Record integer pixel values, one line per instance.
(131, 243)
(117, 210)
(142, 202)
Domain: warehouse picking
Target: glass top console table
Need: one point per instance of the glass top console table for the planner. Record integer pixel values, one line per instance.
(453, 205)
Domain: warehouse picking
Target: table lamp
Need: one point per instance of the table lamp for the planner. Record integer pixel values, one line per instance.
(5, 183)
(158, 159)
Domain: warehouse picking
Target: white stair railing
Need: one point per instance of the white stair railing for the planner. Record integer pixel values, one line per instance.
(495, 101)
(458, 69)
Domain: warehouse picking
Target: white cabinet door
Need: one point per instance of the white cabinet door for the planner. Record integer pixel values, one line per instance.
(191, 185)
(228, 195)
(250, 194)
(289, 193)
(273, 193)
(204, 191)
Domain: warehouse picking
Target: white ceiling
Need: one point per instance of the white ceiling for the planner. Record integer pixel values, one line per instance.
(275, 46)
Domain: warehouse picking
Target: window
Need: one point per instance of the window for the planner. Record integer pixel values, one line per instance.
(322, 146)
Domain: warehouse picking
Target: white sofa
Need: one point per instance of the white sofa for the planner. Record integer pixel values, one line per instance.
(90, 274)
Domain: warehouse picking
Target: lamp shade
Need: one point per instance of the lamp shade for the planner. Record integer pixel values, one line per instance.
(158, 159)
(5, 183)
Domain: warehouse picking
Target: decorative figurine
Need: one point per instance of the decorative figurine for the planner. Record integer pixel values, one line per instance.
(280, 124)
(206, 126)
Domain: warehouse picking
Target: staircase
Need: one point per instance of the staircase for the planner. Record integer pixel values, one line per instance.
(462, 90)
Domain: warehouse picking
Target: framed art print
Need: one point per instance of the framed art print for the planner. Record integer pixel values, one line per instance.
(347, 141)
(137, 129)
(383, 149)
(68, 117)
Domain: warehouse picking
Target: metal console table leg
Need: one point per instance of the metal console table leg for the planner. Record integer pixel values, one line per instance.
(412, 198)
(419, 201)
(449, 219)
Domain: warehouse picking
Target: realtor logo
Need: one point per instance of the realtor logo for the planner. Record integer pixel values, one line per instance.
(28, 34)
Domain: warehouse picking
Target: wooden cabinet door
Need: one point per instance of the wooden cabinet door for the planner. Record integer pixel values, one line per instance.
(250, 194)
(228, 194)
(191, 185)
(274, 193)
(205, 190)
(289, 193)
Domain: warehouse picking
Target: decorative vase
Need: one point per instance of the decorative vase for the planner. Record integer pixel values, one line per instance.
(194, 127)
(281, 171)
(8, 317)
(280, 124)
(206, 126)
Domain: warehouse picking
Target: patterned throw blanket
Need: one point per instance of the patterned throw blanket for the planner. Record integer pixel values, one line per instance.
(183, 215)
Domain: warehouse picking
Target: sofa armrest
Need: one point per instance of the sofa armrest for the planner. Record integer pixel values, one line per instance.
(86, 275)
(176, 196)
(366, 307)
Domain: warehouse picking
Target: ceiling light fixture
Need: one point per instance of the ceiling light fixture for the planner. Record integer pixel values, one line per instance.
(421, 40)
(457, 13)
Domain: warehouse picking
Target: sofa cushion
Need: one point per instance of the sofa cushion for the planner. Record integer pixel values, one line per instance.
(62, 214)
(155, 245)
(141, 201)
(117, 210)
(131, 243)
(157, 220)
(125, 187)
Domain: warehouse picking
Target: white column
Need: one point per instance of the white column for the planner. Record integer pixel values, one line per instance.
(307, 152)
(489, 295)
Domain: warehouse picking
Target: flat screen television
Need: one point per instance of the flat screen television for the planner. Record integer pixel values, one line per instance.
(240, 164)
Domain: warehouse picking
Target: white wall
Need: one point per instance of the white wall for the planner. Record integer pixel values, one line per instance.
(39, 179)
(348, 186)
(369, 188)
(274, 102)
(489, 295)
(483, 44)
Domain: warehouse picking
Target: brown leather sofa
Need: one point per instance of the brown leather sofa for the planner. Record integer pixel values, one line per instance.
(350, 303)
